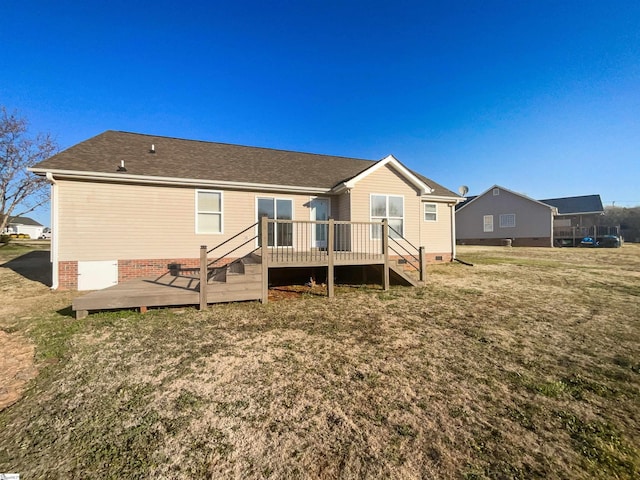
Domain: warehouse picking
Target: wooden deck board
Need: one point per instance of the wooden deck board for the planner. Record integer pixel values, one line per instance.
(169, 290)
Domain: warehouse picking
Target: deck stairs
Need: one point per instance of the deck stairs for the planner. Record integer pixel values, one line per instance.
(236, 282)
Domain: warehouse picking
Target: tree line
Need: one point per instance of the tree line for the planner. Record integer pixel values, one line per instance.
(627, 218)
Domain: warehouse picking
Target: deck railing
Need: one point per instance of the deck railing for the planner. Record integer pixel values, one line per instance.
(327, 243)
(577, 233)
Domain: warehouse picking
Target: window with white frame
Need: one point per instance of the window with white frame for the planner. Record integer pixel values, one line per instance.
(496, 192)
(390, 207)
(487, 223)
(278, 209)
(430, 212)
(208, 211)
(508, 220)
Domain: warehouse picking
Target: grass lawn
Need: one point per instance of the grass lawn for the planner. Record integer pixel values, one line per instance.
(526, 365)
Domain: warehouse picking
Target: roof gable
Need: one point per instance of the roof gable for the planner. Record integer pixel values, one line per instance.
(490, 190)
(390, 160)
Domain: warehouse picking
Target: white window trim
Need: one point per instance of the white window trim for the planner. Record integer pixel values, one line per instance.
(496, 192)
(484, 223)
(221, 212)
(374, 219)
(430, 213)
(293, 217)
(313, 232)
(504, 216)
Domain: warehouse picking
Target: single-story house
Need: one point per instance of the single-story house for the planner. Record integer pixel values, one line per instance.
(501, 216)
(128, 205)
(24, 225)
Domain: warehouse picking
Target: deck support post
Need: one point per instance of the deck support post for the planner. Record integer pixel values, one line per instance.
(385, 252)
(330, 259)
(203, 277)
(423, 263)
(264, 253)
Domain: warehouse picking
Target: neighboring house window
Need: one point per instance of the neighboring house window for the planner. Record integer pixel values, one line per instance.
(208, 211)
(390, 207)
(279, 209)
(431, 212)
(488, 223)
(508, 220)
(496, 192)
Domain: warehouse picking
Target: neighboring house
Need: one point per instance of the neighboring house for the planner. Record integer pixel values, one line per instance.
(24, 225)
(577, 217)
(127, 205)
(499, 216)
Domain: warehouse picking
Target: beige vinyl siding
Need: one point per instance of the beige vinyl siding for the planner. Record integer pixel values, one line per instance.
(436, 236)
(341, 207)
(387, 181)
(104, 221)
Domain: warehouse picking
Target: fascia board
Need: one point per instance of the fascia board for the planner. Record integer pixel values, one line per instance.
(598, 212)
(182, 182)
(441, 198)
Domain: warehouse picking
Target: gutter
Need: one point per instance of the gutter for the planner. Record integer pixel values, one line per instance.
(182, 182)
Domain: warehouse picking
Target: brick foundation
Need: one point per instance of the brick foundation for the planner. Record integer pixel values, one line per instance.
(515, 242)
(67, 275)
(130, 269)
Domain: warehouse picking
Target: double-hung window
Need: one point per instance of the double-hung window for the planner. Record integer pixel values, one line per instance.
(390, 207)
(208, 211)
(508, 220)
(430, 212)
(278, 209)
(487, 223)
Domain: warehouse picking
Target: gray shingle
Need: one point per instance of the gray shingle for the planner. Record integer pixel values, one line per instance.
(572, 205)
(193, 159)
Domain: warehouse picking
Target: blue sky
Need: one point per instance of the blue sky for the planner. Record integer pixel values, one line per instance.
(541, 97)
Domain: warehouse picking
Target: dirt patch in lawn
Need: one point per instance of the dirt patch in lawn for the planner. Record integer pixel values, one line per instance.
(25, 277)
(16, 367)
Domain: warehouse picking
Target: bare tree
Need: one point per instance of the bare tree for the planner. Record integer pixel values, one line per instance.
(21, 191)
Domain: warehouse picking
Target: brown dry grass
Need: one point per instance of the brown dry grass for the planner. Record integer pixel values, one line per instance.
(523, 366)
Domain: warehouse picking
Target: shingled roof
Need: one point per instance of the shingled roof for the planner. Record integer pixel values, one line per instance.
(199, 160)
(23, 221)
(576, 205)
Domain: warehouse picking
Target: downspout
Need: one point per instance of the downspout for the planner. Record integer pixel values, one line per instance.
(54, 231)
(453, 231)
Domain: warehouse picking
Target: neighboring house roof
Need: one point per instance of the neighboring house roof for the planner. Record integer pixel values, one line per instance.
(23, 221)
(576, 205)
(470, 200)
(466, 199)
(192, 161)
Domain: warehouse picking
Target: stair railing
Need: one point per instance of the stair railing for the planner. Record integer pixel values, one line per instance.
(226, 254)
(206, 265)
(407, 251)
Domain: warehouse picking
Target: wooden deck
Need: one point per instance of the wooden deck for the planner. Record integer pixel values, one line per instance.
(140, 293)
(247, 278)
